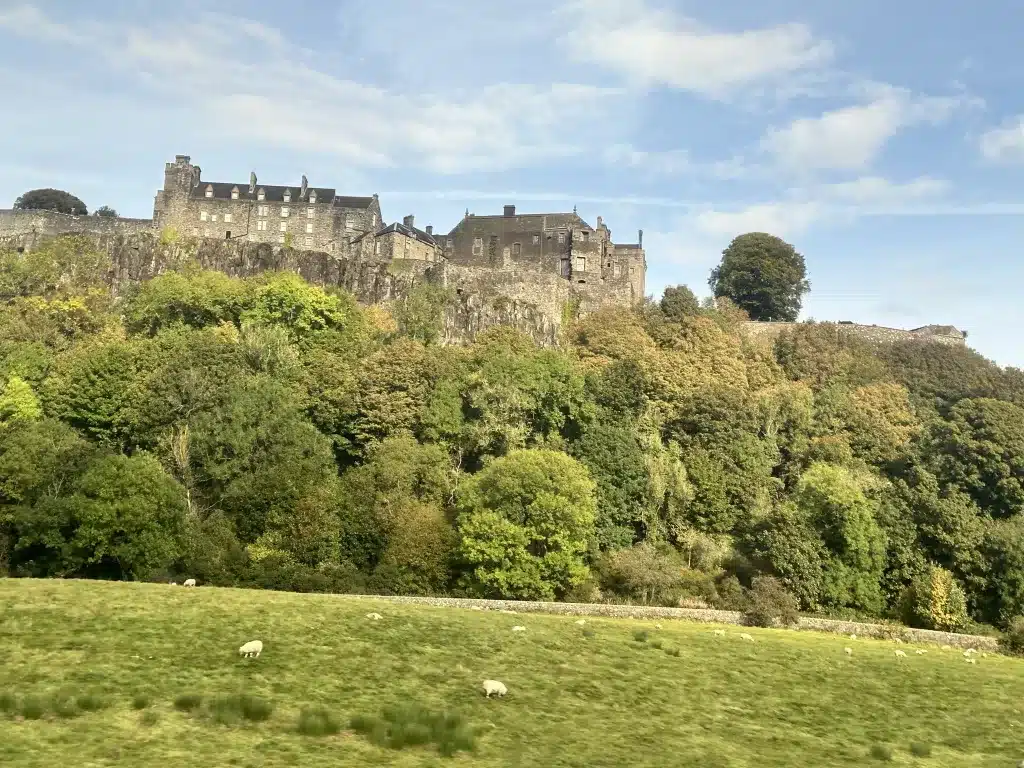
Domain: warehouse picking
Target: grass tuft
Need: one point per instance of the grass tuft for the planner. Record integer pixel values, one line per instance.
(188, 702)
(229, 710)
(412, 725)
(150, 717)
(589, 633)
(8, 702)
(641, 635)
(91, 702)
(317, 721)
(32, 708)
(919, 749)
(140, 701)
(64, 706)
(881, 752)
(672, 652)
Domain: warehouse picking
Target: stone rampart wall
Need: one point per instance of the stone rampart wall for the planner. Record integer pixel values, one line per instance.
(873, 333)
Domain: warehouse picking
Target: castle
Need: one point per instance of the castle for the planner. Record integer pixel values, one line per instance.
(319, 219)
(523, 270)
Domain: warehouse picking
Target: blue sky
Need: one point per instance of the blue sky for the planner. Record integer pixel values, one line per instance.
(885, 140)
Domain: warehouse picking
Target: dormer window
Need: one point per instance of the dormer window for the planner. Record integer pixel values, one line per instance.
(287, 195)
(209, 190)
(261, 195)
(312, 195)
(234, 193)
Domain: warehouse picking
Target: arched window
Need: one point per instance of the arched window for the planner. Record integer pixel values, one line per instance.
(209, 190)
(234, 193)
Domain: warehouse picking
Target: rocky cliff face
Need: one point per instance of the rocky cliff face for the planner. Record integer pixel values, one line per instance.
(530, 301)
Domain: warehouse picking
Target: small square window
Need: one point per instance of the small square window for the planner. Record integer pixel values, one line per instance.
(309, 239)
(228, 217)
(287, 197)
(536, 239)
(450, 243)
(234, 194)
(280, 238)
(309, 227)
(310, 212)
(261, 195)
(203, 216)
(213, 217)
(284, 213)
(209, 192)
(284, 226)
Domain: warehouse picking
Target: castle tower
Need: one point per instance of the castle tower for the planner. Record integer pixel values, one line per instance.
(179, 177)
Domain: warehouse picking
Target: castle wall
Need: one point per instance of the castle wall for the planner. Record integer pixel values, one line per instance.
(395, 245)
(873, 333)
(495, 242)
(26, 227)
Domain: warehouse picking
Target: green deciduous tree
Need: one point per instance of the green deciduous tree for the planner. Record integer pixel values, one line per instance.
(51, 200)
(526, 521)
(763, 275)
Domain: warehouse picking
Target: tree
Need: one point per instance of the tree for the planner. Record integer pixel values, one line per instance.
(763, 275)
(106, 212)
(527, 520)
(679, 302)
(51, 200)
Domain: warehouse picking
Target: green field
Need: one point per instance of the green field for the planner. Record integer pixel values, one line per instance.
(578, 696)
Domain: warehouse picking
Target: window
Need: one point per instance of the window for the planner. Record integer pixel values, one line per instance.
(261, 195)
(516, 249)
(284, 212)
(209, 191)
(376, 249)
(284, 226)
(213, 217)
(280, 238)
(373, 220)
(309, 239)
(581, 263)
(312, 195)
(261, 225)
(234, 193)
(449, 244)
(310, 212)
(228, 218)
(536, 239)
(616, 271)
(478, 245)
(287, 196)
(203, 216)
(227, 235)
(309, 227)
(349, 224)
(561, 237)
(584, 236)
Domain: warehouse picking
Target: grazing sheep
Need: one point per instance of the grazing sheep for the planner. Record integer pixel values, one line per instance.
(853, 636)
(920, 652)
(173, 583)
(657, 625)
(494, 686)
(374, 616)
(581, 622)
(720, 632)
(848, 651)
(745, 636)
(190, 582)
(897, 641)
(900, 654)
(475, 608)
(252, 648)
(970, 652)
(518, 629)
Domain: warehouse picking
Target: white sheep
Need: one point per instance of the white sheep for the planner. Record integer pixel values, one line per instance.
(173, 583)
(494, 686)
(848, 651)
(518, 629)
(475, 608)
(897, 641)
(900, 654)
(581, 622)
(853, 636)
(374, 616)
(190, 582)
(657, 625)
(252, 648)
(920, 652)
(745, 636)
(720, 632)
(970, 652)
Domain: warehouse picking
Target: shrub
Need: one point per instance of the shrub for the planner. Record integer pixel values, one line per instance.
(413, 725)
(317, 722)
(140, 701)
(672, 652)
(770, 604)
(90, 702)
(934, 600)
(731, 595)
(656, 644)
(8, 702)
(150, 717)
(1012, 640)
(697, 585)
(188, 702)
(640, 635)
(646, 574)
(32, 708)
(64, 706)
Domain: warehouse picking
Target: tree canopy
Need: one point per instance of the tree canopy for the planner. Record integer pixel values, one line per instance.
(763, 275)
(51, 200)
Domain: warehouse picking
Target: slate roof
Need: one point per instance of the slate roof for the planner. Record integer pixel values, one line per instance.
(274, 193)
(401, 229)
(536, 220)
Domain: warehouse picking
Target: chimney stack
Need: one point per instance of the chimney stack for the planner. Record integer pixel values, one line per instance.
(430, 229)
(408, 221)
(510, 210)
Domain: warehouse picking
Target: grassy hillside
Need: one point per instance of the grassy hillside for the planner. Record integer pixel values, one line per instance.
(578, 696)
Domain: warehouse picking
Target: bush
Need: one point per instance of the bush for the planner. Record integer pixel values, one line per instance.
(8, 702)
(1012, 640)
(640, 635)
(228, 710)
(770, 604)
(317, 722)
(32, 708)
(935, 601)
(140, 701)
(188, 702)
(64, 706)
(646, 574)
(918, 749)
(881, 752)
(90, 702)
(412, 725)
(731, 595)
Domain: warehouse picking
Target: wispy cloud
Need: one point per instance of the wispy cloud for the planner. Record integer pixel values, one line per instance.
(1005, 143)
(655, 47)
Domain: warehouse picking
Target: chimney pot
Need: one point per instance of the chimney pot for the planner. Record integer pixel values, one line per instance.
(510, 210)
(408, 221)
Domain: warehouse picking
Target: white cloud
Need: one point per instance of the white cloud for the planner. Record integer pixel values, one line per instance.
(851, 138)
(660, 163)
(876, 190)
(657, 47)
(1005, 143)
(242, 79)
(784, 219)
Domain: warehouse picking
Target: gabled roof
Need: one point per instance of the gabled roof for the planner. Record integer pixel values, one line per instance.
(538, 221)
(352, 202)
(273, 193)
(400, 229)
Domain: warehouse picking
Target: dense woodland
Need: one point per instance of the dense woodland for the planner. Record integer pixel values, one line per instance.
(268, 433)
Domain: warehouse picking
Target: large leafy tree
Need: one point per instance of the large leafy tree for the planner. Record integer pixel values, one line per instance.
(763, 275)
(51, 200)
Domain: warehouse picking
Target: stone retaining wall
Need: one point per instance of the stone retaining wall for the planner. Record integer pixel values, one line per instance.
(834, 626)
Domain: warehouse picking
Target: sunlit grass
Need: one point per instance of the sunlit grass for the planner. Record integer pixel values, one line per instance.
(149, 676)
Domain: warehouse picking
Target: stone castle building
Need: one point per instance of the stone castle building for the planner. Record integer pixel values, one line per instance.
(319, 219)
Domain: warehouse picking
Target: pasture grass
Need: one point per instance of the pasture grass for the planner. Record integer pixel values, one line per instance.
(335, 689)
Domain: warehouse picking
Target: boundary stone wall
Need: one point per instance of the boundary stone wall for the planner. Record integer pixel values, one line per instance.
(832, 626)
